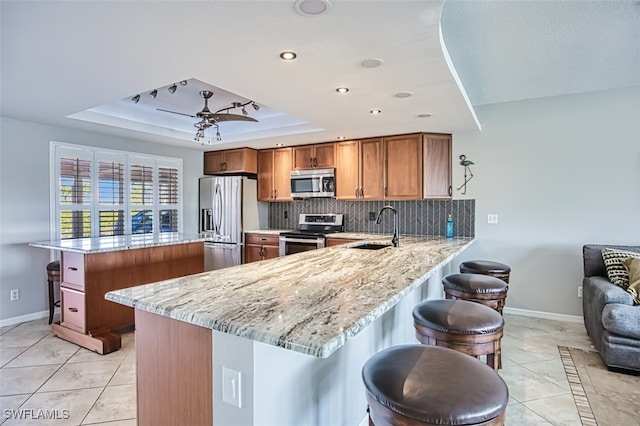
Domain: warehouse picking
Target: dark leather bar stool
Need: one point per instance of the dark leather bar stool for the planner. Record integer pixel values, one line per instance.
(486, 267)
(418, 385)
(485, 289)
(53, 276)
(467, 327)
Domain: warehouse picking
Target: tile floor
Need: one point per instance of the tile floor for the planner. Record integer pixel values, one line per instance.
(39, 371)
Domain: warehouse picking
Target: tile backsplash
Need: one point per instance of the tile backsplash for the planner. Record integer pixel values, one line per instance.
(416, 217)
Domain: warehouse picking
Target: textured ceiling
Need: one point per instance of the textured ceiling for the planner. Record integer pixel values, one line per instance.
(62, 59)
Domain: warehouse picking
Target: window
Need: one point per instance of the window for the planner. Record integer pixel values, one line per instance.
(99, 192)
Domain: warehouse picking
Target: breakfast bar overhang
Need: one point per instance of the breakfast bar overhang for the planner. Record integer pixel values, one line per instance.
(279, 342)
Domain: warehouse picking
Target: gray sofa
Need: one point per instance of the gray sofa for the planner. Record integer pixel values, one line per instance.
(611, 320)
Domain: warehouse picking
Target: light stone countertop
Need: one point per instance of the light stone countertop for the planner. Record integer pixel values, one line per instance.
(310, 302)
(117, 243)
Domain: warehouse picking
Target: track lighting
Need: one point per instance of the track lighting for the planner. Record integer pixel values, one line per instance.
(172, 88)
(153, 93)
(136, 98)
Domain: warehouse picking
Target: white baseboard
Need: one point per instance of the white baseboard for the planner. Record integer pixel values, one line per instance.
(24, 318)
(545, 315)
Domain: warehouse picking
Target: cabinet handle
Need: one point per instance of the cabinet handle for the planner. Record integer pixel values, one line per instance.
(357, 193)
(224, 166)
(275, 191)
(73, 309)
(450, 192)
(361, 193)
(71, 268)
(385, 190)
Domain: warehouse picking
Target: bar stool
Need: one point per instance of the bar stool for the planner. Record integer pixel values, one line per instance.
(53, 276)
(418, 385)
(467, 327)
(486, 267)
(485, 289)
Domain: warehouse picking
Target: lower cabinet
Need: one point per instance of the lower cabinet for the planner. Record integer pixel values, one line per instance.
(260, 247)
(330, 242)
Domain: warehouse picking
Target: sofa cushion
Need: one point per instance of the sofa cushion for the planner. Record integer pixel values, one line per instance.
(616, 271)
(632, 265)
(592, 258)
(623, 320)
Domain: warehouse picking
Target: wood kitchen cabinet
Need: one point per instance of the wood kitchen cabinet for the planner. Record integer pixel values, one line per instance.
(330, 242)
(403, 167)
(260, 247)
(359, 170)
(320, 156)
(274, 174)
(237, 161)
(437, 166)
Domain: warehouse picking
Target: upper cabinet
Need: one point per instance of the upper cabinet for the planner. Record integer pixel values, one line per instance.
(232, 161)
(359, 170)
(437, 166)
(274, 174)
(403, 167)
(320, 156)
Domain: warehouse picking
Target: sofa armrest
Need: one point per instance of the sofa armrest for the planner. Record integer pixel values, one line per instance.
(601, 291)
(623, 320)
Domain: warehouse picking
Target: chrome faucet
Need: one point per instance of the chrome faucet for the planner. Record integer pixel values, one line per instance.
(395, 240)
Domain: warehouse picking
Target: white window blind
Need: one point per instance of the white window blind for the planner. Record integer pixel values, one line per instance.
(99, 192)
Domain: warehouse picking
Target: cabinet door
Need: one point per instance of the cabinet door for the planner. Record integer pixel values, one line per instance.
(325, 156)
(213, 162)
(302, 157)
(403, 162)
(234, 160)
(371, 167)
(72, 310)
(271, 252)
(265, 175)
(252, 253)
(437, 166)
(282, 174)
(348, 170)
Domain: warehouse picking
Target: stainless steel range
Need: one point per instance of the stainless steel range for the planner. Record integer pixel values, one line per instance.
(311, 233)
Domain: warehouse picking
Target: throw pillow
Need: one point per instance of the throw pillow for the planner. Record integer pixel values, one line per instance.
(632, 265)
(616, 271)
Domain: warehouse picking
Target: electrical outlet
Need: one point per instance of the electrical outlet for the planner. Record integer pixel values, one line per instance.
(231, 389)
(372, 216)
(15, 294)
(492, 219)
(286, 214)
(580, 291)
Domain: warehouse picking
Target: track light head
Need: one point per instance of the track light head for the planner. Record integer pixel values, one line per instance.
(255, 106)
(183, 83)
(153, 93)
(172, 88)
(136, 98)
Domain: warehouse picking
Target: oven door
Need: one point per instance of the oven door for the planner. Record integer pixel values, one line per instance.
(291, 245)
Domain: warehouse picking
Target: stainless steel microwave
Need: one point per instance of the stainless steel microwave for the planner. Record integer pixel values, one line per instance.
(313, 183)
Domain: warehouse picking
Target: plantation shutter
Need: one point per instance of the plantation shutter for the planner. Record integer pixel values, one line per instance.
(74, 220)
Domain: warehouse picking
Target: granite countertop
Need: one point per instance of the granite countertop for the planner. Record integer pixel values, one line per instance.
(116, 243)
(310, 302)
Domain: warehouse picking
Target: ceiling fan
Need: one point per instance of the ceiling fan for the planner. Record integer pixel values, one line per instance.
(209, 119)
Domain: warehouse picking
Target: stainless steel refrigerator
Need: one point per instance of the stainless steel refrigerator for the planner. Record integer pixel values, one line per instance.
(228, 206)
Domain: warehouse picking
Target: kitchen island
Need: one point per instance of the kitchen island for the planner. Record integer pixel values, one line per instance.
(281, 341)
(90, 267)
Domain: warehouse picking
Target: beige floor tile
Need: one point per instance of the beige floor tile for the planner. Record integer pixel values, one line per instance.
(519, 415)
(126, 374)
(524, 385)
(24, 379)
(41, 324)
(81, 375)
(12, 402)
(62, 408)
(552, 370)
(7, 354)
(15, 339)
(7, 328)
(85, 355)
(50, 350)
(530, 349)
(558, 410)
(115, 403)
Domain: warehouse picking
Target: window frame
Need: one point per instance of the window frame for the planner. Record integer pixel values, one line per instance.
(95, 155)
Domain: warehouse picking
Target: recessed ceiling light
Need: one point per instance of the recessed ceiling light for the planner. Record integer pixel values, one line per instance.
(342, 89)
(375, 111)
(341, 138)
(312, 7)
(288, 55)
(371, 63)
(425, 115)
(403, 95)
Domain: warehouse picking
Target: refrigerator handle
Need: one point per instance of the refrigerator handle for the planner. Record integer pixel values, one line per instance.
(218, 207)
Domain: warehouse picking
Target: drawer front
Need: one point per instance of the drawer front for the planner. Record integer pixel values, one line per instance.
(72, 310)
(262, 239)
(73, 270)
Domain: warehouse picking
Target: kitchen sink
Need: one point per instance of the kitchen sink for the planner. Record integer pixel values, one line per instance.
(370, 246)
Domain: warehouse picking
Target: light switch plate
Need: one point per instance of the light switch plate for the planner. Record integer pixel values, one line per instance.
(492, 219)
(231, 389)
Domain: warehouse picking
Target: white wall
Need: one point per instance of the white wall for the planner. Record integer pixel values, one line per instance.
(24, 203)
(560, 172)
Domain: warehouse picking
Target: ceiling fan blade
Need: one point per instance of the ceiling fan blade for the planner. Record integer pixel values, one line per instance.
(232, 117)
(174, 112)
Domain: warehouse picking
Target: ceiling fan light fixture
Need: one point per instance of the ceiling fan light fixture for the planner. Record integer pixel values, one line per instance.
(255, 106)
(153, 93)
(244, 111)
(172, 89)
(136, 98)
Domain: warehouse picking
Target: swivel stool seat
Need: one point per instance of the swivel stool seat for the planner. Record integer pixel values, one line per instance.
(53, 276)
(485, 289)
(418, 385)
(486, 267)
(467, 327)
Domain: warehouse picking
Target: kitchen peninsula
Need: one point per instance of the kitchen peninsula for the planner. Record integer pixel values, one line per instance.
(90, 267)
(280, 341)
